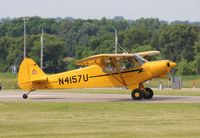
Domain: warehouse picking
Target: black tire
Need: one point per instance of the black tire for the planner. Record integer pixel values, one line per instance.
(25, 96)
(137, 94)
(148, 94)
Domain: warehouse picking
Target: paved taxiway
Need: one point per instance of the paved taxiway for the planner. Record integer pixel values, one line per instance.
(90, 97)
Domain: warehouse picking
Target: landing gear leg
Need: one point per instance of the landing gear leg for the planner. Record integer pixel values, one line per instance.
(148, 94)
(25, 96)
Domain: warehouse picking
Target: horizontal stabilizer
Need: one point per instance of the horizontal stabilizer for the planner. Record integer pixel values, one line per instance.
(42, 79)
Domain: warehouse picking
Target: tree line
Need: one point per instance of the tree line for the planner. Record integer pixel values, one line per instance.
(68, 40)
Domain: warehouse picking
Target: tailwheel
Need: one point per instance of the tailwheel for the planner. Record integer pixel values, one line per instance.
(148, 94)
(25, 96)
(137, 94)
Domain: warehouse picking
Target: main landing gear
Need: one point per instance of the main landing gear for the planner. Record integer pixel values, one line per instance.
(138, 94)
(25, 96)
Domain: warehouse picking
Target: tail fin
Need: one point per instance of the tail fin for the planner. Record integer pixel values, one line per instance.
(29, 72)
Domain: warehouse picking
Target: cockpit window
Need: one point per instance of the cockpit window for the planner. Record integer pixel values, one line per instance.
(140, 59)
(125, 64)
(110, 68)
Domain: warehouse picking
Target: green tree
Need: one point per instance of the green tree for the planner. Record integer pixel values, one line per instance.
(176, 42)
(185, 68)
(196, 62)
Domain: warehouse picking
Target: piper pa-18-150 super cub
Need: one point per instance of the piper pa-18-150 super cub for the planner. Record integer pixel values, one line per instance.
(103, 70)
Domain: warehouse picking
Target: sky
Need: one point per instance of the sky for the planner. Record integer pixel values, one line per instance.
(168, 10)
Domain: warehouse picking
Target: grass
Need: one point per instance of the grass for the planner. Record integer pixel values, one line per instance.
(8, 81)
(97, 120)
(183, 92)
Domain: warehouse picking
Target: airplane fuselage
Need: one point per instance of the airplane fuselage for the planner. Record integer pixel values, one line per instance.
(94, 76)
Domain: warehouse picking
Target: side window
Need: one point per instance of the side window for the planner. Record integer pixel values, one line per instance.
(108, 66)
(128, 64)
(125, 64)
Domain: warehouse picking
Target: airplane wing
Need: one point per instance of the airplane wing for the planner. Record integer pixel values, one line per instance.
(102, 58)
(148, 53)
(98, 59)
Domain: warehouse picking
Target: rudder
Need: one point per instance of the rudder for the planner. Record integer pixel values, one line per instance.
(29, 71)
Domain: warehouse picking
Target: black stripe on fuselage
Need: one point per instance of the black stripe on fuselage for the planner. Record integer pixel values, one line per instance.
(135, 70)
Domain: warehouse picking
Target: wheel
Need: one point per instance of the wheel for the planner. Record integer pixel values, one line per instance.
(25, 96)
(137, 94)
(148, 94)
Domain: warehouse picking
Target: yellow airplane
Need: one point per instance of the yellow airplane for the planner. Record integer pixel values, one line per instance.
(103, 70)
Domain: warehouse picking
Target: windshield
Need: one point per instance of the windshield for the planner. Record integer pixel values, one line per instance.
(140, 59)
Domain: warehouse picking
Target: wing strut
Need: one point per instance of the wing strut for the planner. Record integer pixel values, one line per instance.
(120, 74)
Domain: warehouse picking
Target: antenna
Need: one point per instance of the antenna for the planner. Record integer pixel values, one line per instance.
(24, 37)
(41, 52)
(116, 41)
(123, 49)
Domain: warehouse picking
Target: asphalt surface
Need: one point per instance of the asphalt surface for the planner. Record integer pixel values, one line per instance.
(16, 96)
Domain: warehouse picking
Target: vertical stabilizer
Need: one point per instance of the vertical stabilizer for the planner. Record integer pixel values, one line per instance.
(29, 71)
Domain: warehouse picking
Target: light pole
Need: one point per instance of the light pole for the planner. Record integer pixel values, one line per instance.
(25, 37)
(116, 41)
(41, 52)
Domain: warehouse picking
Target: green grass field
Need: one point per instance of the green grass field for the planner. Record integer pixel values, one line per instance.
(8, 81)
(97, 120)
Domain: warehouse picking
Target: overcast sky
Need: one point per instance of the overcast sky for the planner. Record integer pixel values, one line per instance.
(168, 10)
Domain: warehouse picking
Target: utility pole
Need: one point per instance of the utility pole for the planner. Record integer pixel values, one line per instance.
(41, 52)
(116, 41)
(24, 37)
